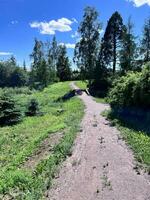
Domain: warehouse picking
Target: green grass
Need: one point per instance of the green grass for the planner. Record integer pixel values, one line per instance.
(139, 141)
(81, 84)
(18, 142)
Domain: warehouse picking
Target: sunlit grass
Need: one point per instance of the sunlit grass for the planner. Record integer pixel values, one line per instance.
(18, 142)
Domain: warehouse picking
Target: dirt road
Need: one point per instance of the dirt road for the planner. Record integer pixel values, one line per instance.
(101, 165)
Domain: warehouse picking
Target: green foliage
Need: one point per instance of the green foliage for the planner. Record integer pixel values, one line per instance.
(132, 90)
(11, 75)
(63, 64)
(111, 41)
(19, 142)
(32, 108)
(128, 52)
(133, 132)
(9, 113)
(145, 42)
(81, 84)
(86, 49)
(49, 64)
(18, 78)
(52, 58)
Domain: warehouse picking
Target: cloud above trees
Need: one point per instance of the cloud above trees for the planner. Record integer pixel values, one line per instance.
(2, 53)
(49, 28)
(139, 3)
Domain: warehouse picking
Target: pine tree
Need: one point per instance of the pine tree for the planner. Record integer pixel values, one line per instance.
(111, 41)
(145, 43)
(32, 108)
(63, 65)
(9, 113)
(86, 49)
(128, 52)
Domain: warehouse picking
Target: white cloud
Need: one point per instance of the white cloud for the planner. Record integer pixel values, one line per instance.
(5, 53)
(68, 45)
(49, 28)
(139, 3)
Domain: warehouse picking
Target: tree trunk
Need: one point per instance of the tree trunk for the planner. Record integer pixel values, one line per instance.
(114, 54)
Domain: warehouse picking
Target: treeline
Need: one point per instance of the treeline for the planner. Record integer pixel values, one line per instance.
(101, 60)
(50, 64)
(11, 75)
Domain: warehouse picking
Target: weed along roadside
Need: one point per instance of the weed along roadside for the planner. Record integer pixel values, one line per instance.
(20, 142)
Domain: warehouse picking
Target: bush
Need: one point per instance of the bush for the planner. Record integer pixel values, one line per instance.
(132, 90)
(99, 88)
(33, 108)
(9, 113)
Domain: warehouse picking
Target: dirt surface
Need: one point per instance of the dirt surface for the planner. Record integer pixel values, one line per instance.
(44, 150)
(101, 166)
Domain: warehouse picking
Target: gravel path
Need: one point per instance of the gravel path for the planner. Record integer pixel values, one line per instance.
(101, 165)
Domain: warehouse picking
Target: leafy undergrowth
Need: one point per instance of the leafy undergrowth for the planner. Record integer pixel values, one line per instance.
(83, 85)
(18, 142)
(138, 140)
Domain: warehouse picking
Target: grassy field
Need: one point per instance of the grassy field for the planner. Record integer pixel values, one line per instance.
(18, 142)
(83, 85)
(138, 140)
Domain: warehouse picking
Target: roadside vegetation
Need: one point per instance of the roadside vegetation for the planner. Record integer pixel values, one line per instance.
(18, 142)
(130, 111)
(134, 133)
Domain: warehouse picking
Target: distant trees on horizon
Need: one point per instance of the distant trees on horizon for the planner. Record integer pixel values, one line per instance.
(118, 51)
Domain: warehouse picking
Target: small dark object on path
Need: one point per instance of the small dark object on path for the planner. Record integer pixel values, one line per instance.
(71, 94)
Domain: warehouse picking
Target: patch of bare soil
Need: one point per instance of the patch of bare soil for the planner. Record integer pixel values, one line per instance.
(101, 166)
(43, 152)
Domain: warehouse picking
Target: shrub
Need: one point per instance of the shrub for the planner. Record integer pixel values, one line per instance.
(32, 108)
(132, 90)
(9, 113)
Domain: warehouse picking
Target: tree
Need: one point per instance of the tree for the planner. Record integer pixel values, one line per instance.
(63, 64)
(111, 41)
(18, 78)
(145, 43)
(128, 52)
(13, 61)
(52, 57)
(9, 113)
(43, 73)
(4, 74)
(12, 75)
(36, 56)
(32, 108)
(86, 49)
(24, 66)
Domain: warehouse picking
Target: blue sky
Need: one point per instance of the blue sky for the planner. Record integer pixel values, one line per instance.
(23, 20)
